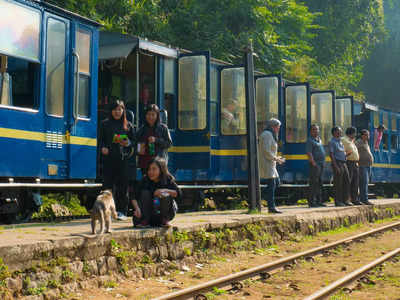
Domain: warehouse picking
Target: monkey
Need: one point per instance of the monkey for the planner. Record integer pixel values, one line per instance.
(103, 209)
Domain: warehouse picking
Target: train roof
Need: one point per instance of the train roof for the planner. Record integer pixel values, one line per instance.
(63, 11)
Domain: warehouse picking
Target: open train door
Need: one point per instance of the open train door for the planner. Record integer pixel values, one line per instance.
(191, 148)
(322, 112)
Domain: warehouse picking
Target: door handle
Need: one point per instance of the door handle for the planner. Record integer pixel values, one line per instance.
(75, 108)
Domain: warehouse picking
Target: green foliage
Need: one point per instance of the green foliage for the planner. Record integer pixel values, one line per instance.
(73, 204)
(4, 273)
(67, 276)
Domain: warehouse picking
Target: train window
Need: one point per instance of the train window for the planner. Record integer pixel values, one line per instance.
(267, 95)
(83, 46)
(192, 104)
(233, 102)
(343, 112)
(393, 142)
(19, 31)
(376, 119)
(19, 83)
(321, 114)
(55, 67)
(394, 123)
(169, 90)
(296, 114)
(385, 116)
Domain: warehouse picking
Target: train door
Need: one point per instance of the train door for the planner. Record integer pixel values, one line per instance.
(192, 139)
(297, 116)
(322, 107)
(268, 104)
(57, 49)
(81, 135)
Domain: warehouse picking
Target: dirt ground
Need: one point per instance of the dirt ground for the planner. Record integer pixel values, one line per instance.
(304, 279)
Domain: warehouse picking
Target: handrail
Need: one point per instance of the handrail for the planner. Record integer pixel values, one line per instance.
(76, 96)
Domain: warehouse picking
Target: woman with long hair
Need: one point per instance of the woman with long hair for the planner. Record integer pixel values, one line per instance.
(116, 142)
(153, 138)
(156, 195)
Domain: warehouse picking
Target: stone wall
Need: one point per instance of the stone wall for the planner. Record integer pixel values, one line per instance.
(49, 269)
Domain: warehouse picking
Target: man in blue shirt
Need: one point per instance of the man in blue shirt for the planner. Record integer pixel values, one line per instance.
(316, 157)
(341, 179)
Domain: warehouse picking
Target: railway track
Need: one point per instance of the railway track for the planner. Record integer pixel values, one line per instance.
(197, 291)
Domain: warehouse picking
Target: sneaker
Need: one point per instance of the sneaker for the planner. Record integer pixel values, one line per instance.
(121, 216)
(142, 225)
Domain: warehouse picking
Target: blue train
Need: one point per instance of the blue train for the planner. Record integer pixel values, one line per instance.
(58, 73)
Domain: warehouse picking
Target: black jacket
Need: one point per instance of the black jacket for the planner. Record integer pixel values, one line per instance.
(163, 138)
(147, 184)
(108, 129)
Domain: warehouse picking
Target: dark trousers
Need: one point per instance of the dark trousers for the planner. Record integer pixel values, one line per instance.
(268, 193)
(116, 177)
(167, 209)
(341, 182)
(315, 192)
(352, 166)
(364, 180)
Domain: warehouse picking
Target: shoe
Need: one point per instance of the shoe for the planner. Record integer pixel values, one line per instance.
(142, 225)
(340, 204)
(348, 203)
(121, 217)
(367, 203)
(274, 211)
(357, 203)
(320, 204)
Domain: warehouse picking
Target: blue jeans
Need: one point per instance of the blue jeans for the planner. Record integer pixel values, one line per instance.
(363, 182)
(268, 193)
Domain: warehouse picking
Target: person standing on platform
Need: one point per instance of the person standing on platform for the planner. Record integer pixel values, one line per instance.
(116, 140)
(352, 159)
(268, 150)
(365, 163)
(339, 168)
(153, 138)
(316, 157)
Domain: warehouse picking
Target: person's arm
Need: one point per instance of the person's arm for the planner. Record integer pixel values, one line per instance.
(164, 141)
(103, 139)
(309, 153)
(266, 145)
(332, 156)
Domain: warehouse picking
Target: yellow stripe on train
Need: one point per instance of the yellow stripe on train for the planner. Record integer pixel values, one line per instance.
(41, 137)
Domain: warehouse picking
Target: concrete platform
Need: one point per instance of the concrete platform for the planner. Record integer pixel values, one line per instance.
(45, 252)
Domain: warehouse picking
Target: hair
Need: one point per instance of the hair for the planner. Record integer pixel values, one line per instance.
(351, 130)
(381, 127)
(274, 122)
(152, 107)
(123, 119)
(313, 125)
(162, 165)
(336, 128)
(364, 131)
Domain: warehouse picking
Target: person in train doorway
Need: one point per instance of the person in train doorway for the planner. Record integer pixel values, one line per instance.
(352, 158)
(117, 139)
(341, 178)
(365, 163)
(156, 194)
(378, 135)
(153, 138)
(268, 150)
(229, 123)
(316, 157)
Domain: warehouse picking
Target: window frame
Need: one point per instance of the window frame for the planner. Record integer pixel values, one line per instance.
(333, 111)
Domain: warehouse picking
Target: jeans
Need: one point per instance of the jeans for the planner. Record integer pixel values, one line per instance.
(268, 193)
(363, 183)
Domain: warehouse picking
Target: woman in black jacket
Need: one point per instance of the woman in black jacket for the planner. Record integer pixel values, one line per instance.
(156, 196)
(153, 138)
(116, 141)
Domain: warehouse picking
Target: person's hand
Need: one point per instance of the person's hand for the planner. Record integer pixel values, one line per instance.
(124, 142)
(137, 213)
(152, 139)
(314, 163)
(158, 192)
(104, 151)
(280, 160)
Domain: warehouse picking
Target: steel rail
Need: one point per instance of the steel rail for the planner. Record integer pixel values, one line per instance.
(328, 290)
(235, 277)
